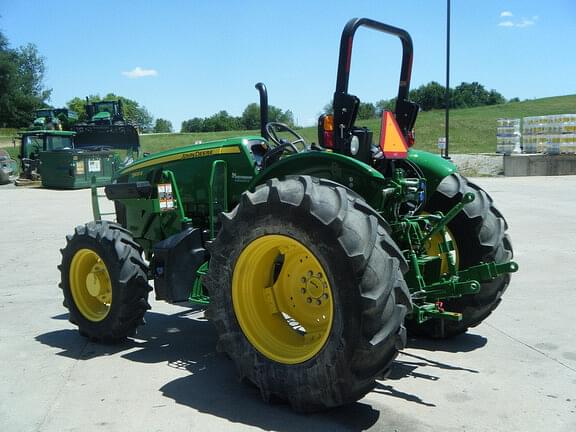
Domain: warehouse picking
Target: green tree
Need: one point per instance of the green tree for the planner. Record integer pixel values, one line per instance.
(78, 105)
(429, 96)
(221, 121)
(385, 105)
(162, 126)
(275, 114)
(468, 95)
(21, 84)
(366, 110)
(251, 117)
(495, 98)
(193, 125)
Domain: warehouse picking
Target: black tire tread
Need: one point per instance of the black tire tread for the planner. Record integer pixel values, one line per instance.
(129, 274)
(383, 294)
(480, 230)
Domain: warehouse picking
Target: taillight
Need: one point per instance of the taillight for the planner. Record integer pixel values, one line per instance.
(411, 138)
(326, 136)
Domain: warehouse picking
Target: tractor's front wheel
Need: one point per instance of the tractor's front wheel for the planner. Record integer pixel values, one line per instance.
(478, 233)
(104, 281)
(307, 292)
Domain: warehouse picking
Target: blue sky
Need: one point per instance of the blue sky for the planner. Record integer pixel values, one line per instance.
(184, 59)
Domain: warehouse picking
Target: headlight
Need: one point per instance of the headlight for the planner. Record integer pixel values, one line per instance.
(354, 145)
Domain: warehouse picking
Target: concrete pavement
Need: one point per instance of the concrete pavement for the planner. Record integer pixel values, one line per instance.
(515, 372)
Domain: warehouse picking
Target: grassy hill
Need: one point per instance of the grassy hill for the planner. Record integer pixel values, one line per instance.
(472, 130)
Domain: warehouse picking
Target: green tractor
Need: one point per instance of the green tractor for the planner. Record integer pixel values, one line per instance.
(87, 154)
(54, 119)
(33, 143)
(62, 160)
(106, 127)
(311, 260)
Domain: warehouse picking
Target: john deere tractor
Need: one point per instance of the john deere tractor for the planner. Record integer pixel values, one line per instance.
(106, 127)
(54, 119)
(311, 259)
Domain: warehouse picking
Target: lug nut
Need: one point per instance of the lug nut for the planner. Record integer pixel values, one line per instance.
(309, 300)
(303, 279)
(325, 295)
(303, 290)
(318, 302)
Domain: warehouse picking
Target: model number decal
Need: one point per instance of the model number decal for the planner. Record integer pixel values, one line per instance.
(199, 153)
(181, 156)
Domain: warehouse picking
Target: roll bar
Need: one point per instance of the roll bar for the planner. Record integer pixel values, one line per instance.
(346, 105)
(345, 58)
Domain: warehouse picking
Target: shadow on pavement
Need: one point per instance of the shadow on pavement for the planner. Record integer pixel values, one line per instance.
(186, 341)
(462, 343)
(177, 339)
(391, 391)
(216, 391)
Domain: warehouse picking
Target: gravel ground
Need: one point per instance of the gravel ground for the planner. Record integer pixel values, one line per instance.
(479, 165)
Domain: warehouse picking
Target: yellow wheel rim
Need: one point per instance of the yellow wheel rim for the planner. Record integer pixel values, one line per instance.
(289, 319)
(433, 249)
(90, 285)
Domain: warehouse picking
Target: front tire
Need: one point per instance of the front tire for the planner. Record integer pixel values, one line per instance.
(103, 278)
(307, 292)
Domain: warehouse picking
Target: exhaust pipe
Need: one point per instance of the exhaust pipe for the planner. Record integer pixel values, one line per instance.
(263, 108)
(89, 109)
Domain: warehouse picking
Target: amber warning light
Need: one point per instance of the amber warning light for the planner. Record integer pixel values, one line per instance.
(392, 141)
(328, 129)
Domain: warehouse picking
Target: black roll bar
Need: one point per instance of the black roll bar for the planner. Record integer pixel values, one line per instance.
(345, 56)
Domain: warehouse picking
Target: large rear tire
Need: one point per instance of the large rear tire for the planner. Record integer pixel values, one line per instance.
(307, 293)
(103, 277)
(479, 234)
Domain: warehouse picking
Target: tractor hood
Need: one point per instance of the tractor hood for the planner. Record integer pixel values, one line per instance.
(103, 115)
(211, 148)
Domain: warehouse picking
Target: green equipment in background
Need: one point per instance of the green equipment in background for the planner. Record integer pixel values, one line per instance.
(106, 127)
(312, 259)
(35, 142)
(78, 168)
(88, 154)
(54, 119)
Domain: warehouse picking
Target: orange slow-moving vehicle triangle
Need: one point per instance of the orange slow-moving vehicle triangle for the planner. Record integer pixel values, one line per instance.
(392, 141)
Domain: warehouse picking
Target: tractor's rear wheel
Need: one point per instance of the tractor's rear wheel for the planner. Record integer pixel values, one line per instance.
(307, 292)
(479, 235)
(104, 281)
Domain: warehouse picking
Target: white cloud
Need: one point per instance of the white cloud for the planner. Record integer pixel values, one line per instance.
(138, 72)
(524, 22)
(506, 14)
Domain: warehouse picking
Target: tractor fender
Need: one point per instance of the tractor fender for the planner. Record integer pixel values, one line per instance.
(353, 174)
(434, 167)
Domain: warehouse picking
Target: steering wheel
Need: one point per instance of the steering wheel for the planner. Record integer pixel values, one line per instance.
(274, 128)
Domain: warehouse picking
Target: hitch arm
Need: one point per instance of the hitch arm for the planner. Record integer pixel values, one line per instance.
(445, 220)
